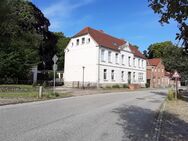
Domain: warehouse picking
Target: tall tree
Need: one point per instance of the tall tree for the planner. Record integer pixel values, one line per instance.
(173, 9)
(23, 33)
(62, 42)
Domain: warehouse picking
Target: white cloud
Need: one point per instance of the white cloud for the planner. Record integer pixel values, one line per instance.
(60, 12)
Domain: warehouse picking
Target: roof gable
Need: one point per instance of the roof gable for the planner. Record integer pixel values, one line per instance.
(108, 41)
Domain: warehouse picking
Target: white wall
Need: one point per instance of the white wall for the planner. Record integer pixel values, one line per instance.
(77, 56)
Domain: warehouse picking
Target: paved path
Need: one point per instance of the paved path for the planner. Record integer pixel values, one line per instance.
(106, 117)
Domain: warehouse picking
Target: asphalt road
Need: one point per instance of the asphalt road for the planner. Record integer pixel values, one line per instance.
(103, 117)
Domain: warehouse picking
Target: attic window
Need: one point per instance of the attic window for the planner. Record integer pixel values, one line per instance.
(115, 44)
(88, 40)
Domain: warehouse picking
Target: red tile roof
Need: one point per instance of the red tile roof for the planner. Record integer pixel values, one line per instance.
(107, 41)
(154, 61)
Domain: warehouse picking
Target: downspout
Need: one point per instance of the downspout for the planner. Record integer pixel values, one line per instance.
(98, 77)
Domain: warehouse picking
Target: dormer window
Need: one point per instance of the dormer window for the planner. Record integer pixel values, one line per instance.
(115, 44)
(83, 40)
(88, 40)
(77, 42)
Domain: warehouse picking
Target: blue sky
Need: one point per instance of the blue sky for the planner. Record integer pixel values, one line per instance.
(131, 20)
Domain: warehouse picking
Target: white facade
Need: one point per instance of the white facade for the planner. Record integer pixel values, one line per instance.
(88, 63)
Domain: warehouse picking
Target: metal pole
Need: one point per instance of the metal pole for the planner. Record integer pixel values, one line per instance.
(54, 82)
(83, 78)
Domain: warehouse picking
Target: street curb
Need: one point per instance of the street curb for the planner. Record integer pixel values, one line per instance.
(157, 129)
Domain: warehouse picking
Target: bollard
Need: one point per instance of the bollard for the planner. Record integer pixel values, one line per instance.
(40, 92)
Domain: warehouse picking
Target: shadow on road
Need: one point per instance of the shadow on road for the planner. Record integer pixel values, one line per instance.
(138, 124)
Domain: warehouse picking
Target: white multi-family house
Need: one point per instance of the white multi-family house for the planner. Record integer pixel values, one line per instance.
(95, 58)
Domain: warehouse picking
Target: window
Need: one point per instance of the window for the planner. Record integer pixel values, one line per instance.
(102, 55)
(83, 40)
(134, 77)
(112, 74)
(134, 62)
(77, 42)
(142, 63)
(129, 61)
(72, 44)
(105, 74)
(116, 58)
(88, 40)
(109, 57)
(140, 77)
(122, 59)
(139, 63)
(122, 75)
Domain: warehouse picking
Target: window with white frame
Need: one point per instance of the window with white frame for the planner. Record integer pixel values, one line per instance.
(102, 55)
(134, 62)
(134, 77)
(109, 56)
(140, 77)
(142, 63)
(129, 61)
(116, 58)
(112, 74)
(139, 63)
(122, 75)
(88, 40)
(83, 40)
(105, 74)
(122, 59)
(77, 42)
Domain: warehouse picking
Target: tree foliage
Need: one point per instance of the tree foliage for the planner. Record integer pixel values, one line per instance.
(62, 42)
(173, 57)
(24, 40)
(173, 9)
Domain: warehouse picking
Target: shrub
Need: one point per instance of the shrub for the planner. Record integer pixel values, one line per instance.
(147, 85)
(125, 86)
(116, 86)
(108, 87)
(171, 94)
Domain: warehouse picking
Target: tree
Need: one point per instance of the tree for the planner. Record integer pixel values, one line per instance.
(173, 9)
(23, 34)
(172, 56)
(62, 42)
(156, 50)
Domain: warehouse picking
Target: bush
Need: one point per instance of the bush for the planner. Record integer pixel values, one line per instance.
(116, 86)
(125, 86)
(147, 85)
(52, 95)
(171, 94)
(108, 87)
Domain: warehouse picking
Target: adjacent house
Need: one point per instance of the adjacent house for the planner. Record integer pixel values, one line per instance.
(156, 74)
(94, 58)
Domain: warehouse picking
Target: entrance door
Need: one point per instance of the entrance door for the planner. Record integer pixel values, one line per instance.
(129, 77)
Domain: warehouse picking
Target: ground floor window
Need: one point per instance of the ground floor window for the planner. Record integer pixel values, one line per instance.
(134, 76)
(105, 74)
(122, 75)
(112, 74)
(140, 77)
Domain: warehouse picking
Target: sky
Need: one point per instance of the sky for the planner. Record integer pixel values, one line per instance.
(131, 20)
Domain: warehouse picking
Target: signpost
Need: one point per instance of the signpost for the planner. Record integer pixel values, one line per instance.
(55, 58)
(176, 76)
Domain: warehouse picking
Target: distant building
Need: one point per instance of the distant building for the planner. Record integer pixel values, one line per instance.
(94, 58)
(156, 74)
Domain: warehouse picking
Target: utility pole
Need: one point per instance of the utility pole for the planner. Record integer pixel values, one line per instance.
(83, 77)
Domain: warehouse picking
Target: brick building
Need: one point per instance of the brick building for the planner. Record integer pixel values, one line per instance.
(156, 74)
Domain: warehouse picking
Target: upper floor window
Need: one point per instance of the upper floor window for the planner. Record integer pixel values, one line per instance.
(129, 61)
(134, 62)
(83, 40)
(122, 59)
(116, 58)
(77, 42)
(105, 74)
(72, 44)
(102, 55)
(112, 74)
(88, 40)
(142, 63)
(109, 56)
(139, 63)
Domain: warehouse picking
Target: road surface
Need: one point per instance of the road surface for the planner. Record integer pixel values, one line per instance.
(125, 116)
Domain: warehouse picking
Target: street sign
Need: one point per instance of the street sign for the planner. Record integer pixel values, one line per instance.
(55, 58)
(55, 67)
(176, 75)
